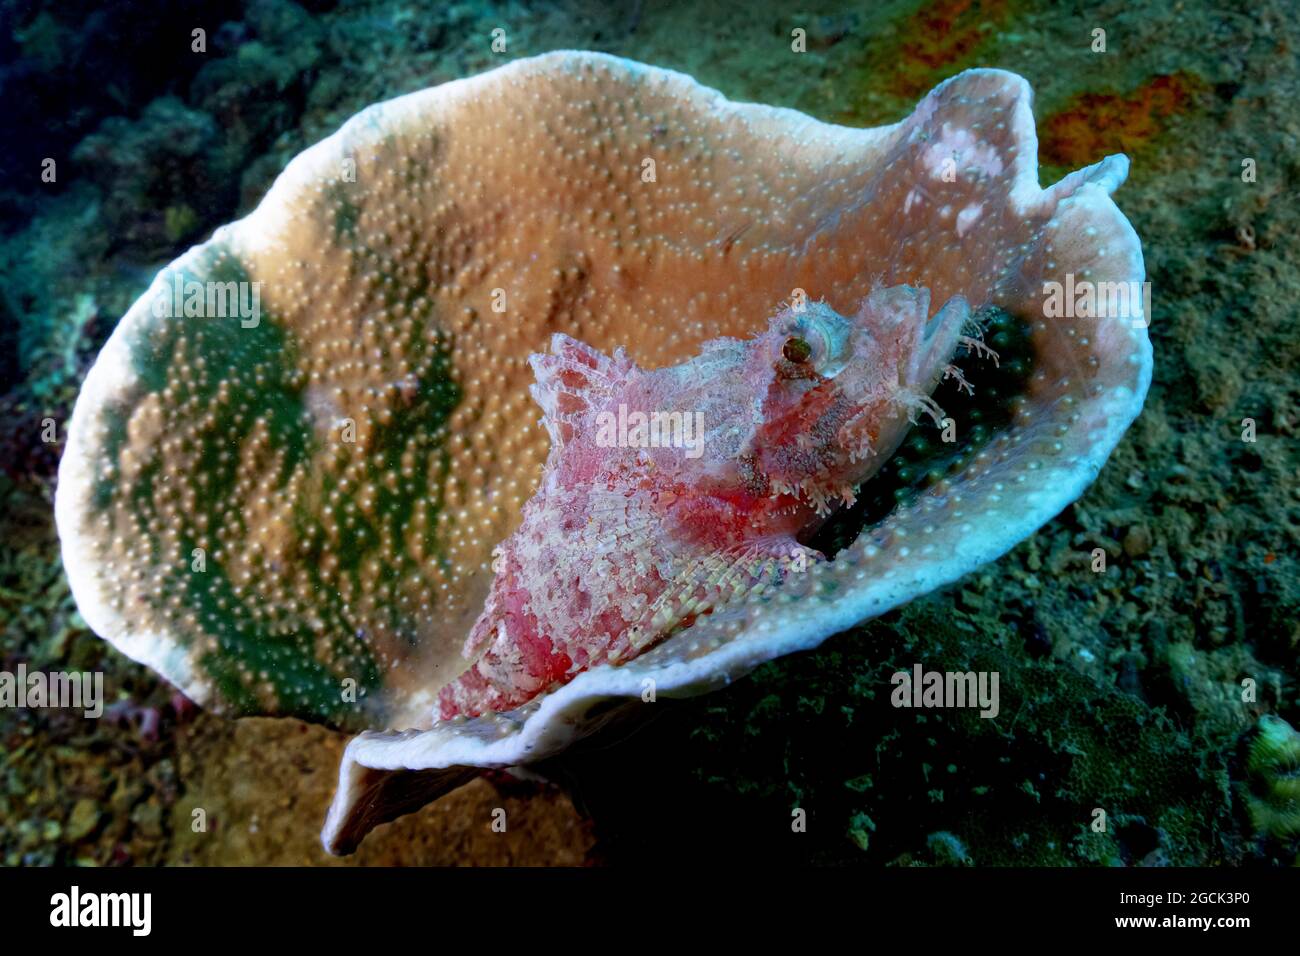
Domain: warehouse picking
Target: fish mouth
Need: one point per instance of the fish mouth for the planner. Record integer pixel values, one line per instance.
(924, 459)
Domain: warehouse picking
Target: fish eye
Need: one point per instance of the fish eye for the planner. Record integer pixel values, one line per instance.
(796, 350)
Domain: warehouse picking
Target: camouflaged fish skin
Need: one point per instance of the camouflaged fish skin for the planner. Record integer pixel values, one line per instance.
(668, 492)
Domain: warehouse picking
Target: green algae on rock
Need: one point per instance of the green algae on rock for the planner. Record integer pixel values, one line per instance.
(293, 511)
(1272, 788)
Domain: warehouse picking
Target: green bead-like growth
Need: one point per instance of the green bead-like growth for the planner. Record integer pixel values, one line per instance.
(1272, 791)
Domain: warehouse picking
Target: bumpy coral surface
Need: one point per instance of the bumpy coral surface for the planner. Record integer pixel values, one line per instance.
(1272, 792)
(298, 497)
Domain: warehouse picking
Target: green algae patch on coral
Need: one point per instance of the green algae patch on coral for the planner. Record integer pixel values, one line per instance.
(213, 466)
(1271, 791)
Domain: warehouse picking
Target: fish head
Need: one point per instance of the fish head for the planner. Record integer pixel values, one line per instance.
(838, 394)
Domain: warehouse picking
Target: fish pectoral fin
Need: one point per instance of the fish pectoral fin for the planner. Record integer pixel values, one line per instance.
(573, 382)
(711, 580)
(791, 556)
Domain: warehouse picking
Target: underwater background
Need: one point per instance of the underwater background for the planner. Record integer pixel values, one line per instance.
(1127, 686)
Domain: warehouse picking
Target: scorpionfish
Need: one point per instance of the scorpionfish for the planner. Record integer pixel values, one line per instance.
(669, 491)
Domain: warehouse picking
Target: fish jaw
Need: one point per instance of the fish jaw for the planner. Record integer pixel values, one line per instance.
(908, 338)
(904, 354)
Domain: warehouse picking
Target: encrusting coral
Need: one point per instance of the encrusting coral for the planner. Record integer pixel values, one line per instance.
(1272, 789)
(287, 471)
